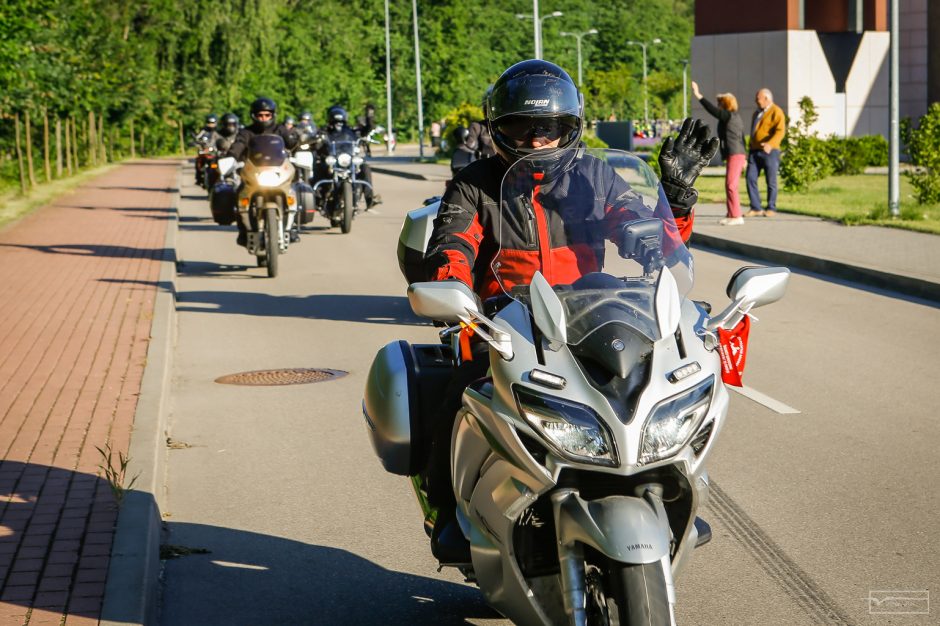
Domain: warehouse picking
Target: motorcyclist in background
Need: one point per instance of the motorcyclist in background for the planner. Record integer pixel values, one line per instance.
(289, 122)
(227, 133)
(207, 136)
(264, 122)
(337, 129)
(479, 139)
(533, 108)
(366, 124)
(463, 154)
(306, 122)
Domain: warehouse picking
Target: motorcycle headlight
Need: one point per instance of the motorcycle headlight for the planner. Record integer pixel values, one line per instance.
(357, 160)
(344, 159)
(572, 430)
(330, 159)
(673, 421)
(270, 178)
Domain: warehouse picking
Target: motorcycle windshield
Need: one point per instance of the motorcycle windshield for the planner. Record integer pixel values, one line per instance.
(597, 225)
(344, 147)
(267, 150)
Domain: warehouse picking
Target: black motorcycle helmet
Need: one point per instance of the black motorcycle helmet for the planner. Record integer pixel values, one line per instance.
(461, 133)
(211, 120)
(264, 104)
(229, 124)
(534, 98)
(336, 117)
(289, 121)
(306, 116)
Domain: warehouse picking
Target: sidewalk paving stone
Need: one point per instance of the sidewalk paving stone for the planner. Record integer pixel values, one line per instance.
(78, 281)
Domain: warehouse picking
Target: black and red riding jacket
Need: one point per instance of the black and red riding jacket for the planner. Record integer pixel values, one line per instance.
(470, 229)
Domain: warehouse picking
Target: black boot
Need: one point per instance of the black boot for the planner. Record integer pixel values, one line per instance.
(448, 545)
(242, 238)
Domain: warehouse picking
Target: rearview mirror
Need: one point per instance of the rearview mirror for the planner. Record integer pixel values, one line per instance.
(758, 286)
(226, 165)
(303, 159)
(444, 300)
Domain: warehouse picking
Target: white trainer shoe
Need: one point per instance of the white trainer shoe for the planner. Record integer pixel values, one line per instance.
(731, 221)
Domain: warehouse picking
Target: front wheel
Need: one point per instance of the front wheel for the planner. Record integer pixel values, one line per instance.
(271, 243)
(637, 595)
(347, 207)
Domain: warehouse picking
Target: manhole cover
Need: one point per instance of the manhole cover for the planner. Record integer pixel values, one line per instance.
(295, 376)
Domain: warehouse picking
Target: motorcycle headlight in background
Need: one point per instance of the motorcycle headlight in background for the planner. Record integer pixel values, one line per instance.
(573, 430)
(673, 421)
(330, 160)
(357, 160)
(344, 159)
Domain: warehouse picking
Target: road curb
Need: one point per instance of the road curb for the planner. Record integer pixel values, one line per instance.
(870, 277)
(133, 573)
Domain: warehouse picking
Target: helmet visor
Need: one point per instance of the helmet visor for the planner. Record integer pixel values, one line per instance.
(523, 129)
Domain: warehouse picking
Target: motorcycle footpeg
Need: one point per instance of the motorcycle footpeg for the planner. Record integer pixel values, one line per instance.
(704, 532)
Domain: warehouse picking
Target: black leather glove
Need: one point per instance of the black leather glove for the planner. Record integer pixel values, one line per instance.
(681, 161)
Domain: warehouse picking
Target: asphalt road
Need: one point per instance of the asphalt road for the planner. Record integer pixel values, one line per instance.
(813, 511)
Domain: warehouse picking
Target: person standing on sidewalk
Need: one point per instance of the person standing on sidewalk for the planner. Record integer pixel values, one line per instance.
(731, 136)
(768, 126)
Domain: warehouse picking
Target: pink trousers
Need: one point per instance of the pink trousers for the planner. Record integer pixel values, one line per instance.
(736, 163)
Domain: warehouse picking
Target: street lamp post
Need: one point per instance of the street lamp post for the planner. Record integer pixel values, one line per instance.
(537, 23)
(685, 82)
(389, 146)
(578, 36)
(646, 107)
(414, 10)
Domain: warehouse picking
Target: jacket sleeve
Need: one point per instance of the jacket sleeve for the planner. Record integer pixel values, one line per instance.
(473, 138)
(238, 147)
(455, 240)
(718, 112)
(778, 127)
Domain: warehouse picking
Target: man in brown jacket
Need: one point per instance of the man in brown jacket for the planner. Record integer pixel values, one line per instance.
(767, 129)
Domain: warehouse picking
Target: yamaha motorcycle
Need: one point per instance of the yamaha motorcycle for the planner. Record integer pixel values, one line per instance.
(578, 460)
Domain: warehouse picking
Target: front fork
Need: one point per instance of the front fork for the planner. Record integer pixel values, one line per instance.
(571, 551)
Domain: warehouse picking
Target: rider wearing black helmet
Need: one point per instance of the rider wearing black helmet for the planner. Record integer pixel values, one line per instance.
(337, 129)
(534, 110)
(306, 122)
(207, 136)
(227, 132)
(264, 122)
(463, 154)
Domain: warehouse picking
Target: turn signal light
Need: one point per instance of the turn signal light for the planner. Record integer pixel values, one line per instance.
(243, 201)
(290, 200)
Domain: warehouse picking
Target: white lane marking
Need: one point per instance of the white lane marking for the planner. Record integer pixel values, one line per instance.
(767, 401)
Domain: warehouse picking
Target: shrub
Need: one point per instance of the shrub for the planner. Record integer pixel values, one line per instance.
(851, 155)
(806, 157)
(461, 116)
(923, 146)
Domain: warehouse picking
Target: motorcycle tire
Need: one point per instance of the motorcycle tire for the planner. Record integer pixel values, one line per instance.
(637, 595)
(271, 245)
(347, 207)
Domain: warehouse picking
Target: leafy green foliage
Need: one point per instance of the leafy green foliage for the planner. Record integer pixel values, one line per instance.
(923, 146)
(158, 63)
(851, 155)
(805, 157)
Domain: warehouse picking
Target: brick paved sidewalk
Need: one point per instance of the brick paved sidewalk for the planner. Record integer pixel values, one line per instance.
(77, 286)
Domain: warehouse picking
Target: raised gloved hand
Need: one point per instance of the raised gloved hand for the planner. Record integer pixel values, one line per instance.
(681, 161)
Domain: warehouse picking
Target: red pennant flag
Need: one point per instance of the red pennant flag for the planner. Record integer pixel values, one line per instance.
(732, 348)
(466, 353)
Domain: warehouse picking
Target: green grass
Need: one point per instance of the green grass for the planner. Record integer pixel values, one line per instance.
(850, 200)
(14, 206)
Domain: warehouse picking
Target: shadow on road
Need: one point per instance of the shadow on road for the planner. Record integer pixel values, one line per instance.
(250, 578)
(90, 249)
(372, 309)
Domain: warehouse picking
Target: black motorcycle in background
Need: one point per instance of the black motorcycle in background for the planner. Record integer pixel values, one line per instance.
(339, 191)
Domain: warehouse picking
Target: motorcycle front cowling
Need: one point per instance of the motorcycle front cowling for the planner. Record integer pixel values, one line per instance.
(404, 391)
(223, 204)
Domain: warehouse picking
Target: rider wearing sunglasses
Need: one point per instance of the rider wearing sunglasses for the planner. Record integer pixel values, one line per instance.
(534, 110)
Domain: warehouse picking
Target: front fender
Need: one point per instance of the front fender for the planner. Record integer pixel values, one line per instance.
(626, 529)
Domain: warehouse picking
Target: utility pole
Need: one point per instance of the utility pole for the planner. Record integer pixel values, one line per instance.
(414, 11)
(388, 85)
(894, 135)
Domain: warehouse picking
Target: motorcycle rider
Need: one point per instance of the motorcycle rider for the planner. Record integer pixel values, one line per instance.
(290, 122)
(479, 139)
(227, 133)
(337, 129)
(264, 122)
(207, 136)
(534, 108)
(306, 123)
(463, 154)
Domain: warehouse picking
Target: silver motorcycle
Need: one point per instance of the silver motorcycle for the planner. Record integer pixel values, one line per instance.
(578, 460)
